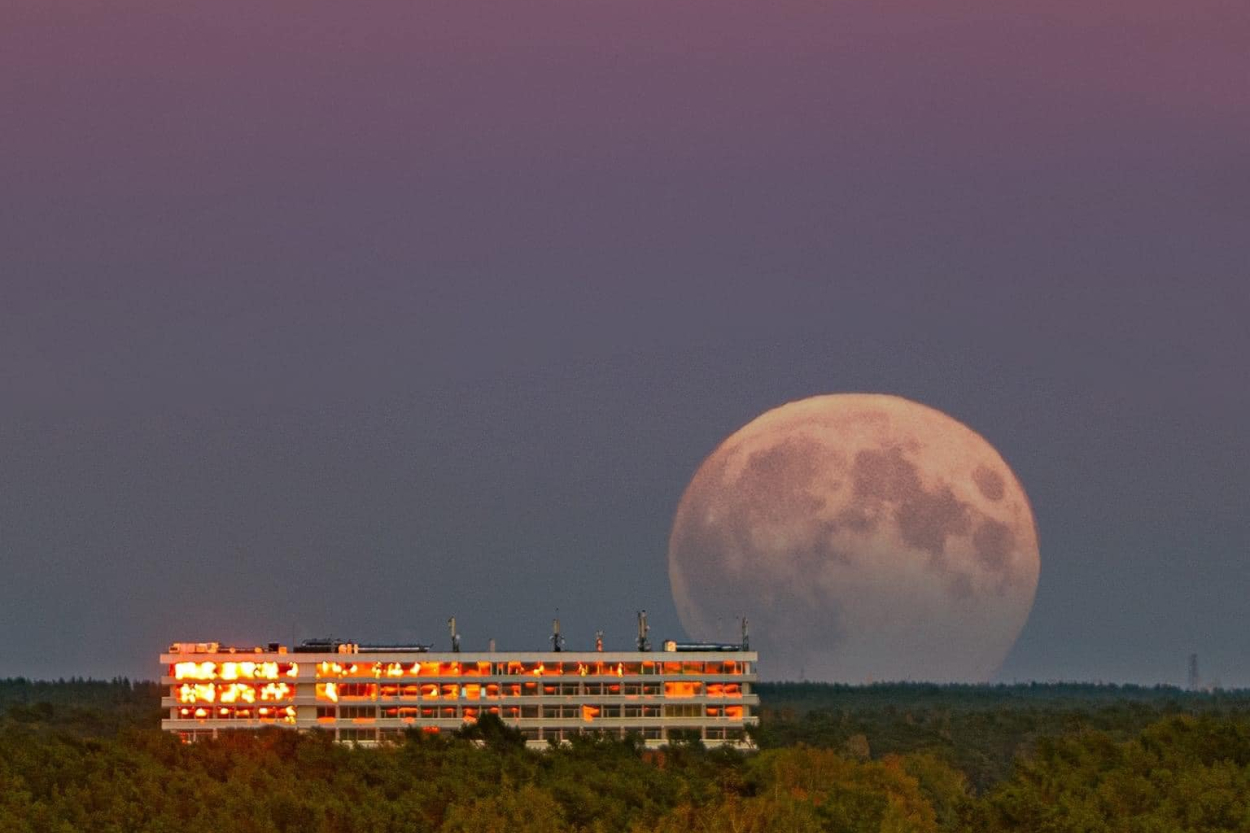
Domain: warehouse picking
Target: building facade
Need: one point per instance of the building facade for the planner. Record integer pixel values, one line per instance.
(371, 695)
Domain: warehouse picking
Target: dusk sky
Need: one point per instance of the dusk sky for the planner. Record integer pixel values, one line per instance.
(330, 318)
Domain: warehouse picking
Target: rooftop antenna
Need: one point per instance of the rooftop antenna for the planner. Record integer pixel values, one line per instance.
(644, 644)
(557, 641)
(1195, 681)
(599, 641)
(746, 634)
(455, 637)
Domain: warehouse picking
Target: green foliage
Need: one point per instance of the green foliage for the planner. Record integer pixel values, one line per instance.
(977, 729)
(493, 733)
(86, 756)
(1181, 774)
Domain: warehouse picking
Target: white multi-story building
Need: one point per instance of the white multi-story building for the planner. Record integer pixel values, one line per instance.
(369, 694)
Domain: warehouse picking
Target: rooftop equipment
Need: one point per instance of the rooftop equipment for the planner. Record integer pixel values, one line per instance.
(455, 637)
(644, 644)
(673, 645)
(557, 641)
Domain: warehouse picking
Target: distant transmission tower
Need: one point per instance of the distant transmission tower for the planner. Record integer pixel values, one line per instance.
(1195, 681)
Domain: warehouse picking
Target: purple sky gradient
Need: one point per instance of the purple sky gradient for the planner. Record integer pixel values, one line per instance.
(341, 318)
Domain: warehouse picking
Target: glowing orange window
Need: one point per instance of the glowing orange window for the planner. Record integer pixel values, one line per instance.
(682, 689)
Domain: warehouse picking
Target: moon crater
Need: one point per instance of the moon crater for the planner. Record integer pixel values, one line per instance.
(866, 536)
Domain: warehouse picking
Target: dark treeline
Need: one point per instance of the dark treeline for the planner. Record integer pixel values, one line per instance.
(86, 756)
(978, 729)
(85, 707)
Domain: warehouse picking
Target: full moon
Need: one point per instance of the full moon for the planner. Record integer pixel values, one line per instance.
(866, 537)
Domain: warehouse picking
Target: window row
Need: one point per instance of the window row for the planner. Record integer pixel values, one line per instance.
(396, 670)
(232, 692)
(561, 733)
(333, 692)
(586, 711)
(356, 734)
(285, 714)
(230, 671)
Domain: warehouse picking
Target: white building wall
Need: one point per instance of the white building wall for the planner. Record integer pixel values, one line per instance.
(367, 697)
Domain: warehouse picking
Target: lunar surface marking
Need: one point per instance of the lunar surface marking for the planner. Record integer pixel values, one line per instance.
(866, 536)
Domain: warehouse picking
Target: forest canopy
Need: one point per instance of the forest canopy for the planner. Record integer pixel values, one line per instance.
(83, 755)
